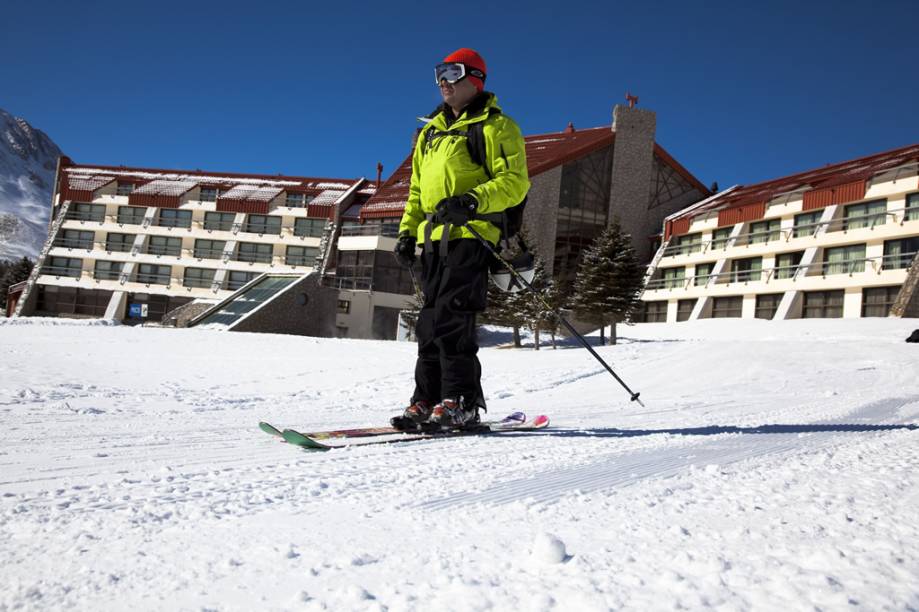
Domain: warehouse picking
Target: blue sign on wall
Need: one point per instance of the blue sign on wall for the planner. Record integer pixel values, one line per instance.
(137, 311)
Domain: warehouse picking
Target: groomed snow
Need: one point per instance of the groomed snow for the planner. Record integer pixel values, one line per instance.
(775, 466)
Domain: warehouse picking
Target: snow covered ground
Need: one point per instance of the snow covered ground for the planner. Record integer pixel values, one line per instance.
(775, 466)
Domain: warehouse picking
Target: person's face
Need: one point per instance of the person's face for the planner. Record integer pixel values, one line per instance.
(459, 94)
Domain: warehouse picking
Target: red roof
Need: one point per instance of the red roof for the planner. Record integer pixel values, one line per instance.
(544, 152)
(842, 179)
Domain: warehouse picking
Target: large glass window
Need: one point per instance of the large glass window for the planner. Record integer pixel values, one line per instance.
(727, 307)
(301, 256)
(683, 245)
(720, 237)
(209, 194)
(209, 249)
(673, 278)
(806, 224)
(355, 269)
(198, 277)
(866, 214)
(845, 259)
(749, 269)
(124, 188)
(297, 200)
(767, 304)
(391, 277)
(912, 207)
(63, 266)
(131, 215)
(263, 224)
(310, 227)
(153, 274)
(119, 243)
(786, 264)
(170, 217)
(684, 309)
(80, 211)
(823, 304)
(254, 252)
(108, 270)
(164, 245)
(703, 273)
(72, 300)
(219, 221)
(236, 279)
(765, 231)
(655, 312)
(877, 301)
(75, 239)
(899, 254)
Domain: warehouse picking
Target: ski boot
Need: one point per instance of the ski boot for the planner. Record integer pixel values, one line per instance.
(413, 417)
(454, 414)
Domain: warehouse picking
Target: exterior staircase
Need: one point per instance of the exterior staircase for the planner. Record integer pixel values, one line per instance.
(36, 271)
(907, 302)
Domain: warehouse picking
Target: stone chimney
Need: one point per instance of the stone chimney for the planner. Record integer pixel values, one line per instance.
(633, 167)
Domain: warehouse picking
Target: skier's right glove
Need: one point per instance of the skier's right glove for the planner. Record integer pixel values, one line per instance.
(405, 249)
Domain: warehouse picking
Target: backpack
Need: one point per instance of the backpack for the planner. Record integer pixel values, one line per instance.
(510, 220)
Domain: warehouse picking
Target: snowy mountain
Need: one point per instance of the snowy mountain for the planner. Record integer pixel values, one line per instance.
(28, 158)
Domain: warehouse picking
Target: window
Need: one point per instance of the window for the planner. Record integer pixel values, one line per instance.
(703, 273)
(301, 256)
(867, 214)
(344, 306)
(254, 252)
(309, 227)
(355, 269)
(673, 278)
(124, 188)
(263, 224)
(786, 264)
(75, 239)
(720, 237)
(806, 224)
(765, 231)
(218, 221)
(844, 260)
(153, 274)
(684, 309)
(208, 194)
(877, 301)
(209, 249)
(690, 243)
(912, 207)
(198, 277)
(237, 279)
(727, 307)
(744, 270)
(767, 304)
(170, 217)
(899, 254)
(164, 245)
(72, 300)
(119, 243)
(298, 200)
(823, 304)
(655, 312)
(80, 211)
(131, 215)
(108, 270)
(389, 275)
(63, 266)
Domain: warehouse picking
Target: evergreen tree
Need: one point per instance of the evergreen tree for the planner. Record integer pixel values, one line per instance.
(609, 280)
(12, 272)
(413, 311)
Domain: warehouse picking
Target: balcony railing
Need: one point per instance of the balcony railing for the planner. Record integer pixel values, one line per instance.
(218, 226)
(169, 251)
(301, 260)
(351, 282)
(390, 230)
(107, 274)
(208, 253)
(77, 215)
(73, 243)
(199, 283)
(174, 223)
(152, 279)
(254, 257)
(61, 271)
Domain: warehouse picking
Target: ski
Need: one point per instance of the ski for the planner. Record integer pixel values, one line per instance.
(515, 418)
(310, 443)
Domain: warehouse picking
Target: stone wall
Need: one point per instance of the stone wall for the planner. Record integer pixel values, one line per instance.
(305, 309)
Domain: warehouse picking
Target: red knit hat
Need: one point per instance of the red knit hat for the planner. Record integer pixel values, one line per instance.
(472, 60)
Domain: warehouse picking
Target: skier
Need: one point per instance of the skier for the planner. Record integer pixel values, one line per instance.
(448, 190)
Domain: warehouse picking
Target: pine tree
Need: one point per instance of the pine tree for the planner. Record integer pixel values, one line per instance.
(609, 280)
(12, 272)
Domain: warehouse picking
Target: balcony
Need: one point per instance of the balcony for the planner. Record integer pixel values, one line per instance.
(249, 257)
(390, 230)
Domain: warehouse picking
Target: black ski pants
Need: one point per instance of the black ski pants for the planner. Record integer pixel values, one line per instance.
(455, 290)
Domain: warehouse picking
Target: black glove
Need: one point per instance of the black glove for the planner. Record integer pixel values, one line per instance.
(405, 250)
(456, 210)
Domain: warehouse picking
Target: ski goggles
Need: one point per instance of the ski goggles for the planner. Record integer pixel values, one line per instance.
(452, 72)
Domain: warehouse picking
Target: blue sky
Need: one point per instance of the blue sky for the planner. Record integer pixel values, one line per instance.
(742, 93)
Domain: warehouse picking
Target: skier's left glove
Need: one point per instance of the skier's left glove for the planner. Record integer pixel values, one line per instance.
(405, 249)
(456, 210)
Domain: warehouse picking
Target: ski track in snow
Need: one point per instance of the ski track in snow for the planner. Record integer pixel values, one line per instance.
(777, 472)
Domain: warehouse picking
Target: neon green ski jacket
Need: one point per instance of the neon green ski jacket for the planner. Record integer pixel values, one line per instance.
(442, 167)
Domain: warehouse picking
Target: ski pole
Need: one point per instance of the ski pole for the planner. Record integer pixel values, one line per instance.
(568, 326)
